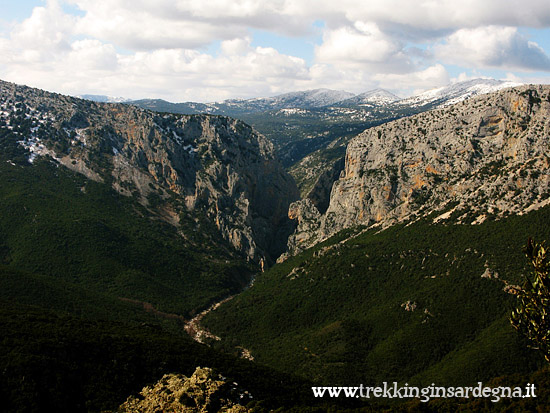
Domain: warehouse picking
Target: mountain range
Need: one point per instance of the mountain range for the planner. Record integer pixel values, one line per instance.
(399, 259)
(103, 98)
(310, 129)
(318, 98)
(410, 270)
(302, 125)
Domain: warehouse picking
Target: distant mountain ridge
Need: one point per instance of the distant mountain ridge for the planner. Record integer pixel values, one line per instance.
(376, 96)
(104, 98)
(315, 98)
(457, 92)
(308, 99)
(323, 98)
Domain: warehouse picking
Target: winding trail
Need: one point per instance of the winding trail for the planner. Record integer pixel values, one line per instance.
(193, 326)
(196, 331)
(200, 333)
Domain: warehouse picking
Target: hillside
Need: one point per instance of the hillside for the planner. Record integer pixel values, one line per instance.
(105, 251)
(205, 165)
(410, 272)
(55, 361)
(117, 224)
(420, 304)
(483, 158)
(56, 223)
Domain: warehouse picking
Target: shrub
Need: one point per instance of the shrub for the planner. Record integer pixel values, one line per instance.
(532, 316)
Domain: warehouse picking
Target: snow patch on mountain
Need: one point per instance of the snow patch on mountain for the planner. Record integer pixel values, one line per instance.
(312, 98)
(104, 98)
(376, 97)
(292, 111)
(457, 92)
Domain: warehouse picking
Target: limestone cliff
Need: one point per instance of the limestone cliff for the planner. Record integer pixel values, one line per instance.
(319, 194)
(212, 166)
(483, 158)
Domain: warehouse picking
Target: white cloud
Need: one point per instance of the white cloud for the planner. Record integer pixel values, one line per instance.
(174, 74)
(149, 24)
(169, 48)
(136, 29)
(493, 47)
(415, 82)
(41, 36)
(236, 46)
(425, 16)
(152, 24)
(362, 45)
(92, 54)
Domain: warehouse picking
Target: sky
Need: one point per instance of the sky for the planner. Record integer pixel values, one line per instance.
(211, 50)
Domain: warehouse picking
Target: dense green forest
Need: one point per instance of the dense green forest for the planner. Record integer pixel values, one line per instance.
(54, 361)
(70, 249)
(420, 303)
(59, 224)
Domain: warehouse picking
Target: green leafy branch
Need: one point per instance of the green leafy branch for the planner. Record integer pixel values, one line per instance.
(532, 315)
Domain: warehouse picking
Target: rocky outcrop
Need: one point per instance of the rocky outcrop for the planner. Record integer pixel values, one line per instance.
(480, 159)
(320, 193)
(204, 391)
(307, 231)
(208, 166)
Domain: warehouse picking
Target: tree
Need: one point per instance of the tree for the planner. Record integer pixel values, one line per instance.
(532, 315)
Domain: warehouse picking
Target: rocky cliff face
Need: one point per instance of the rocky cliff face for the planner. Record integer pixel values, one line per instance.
(209, 165)
(480, 159)
(319, 194)
(204, 391)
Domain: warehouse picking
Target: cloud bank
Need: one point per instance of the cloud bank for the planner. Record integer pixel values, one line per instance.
(204, 51)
